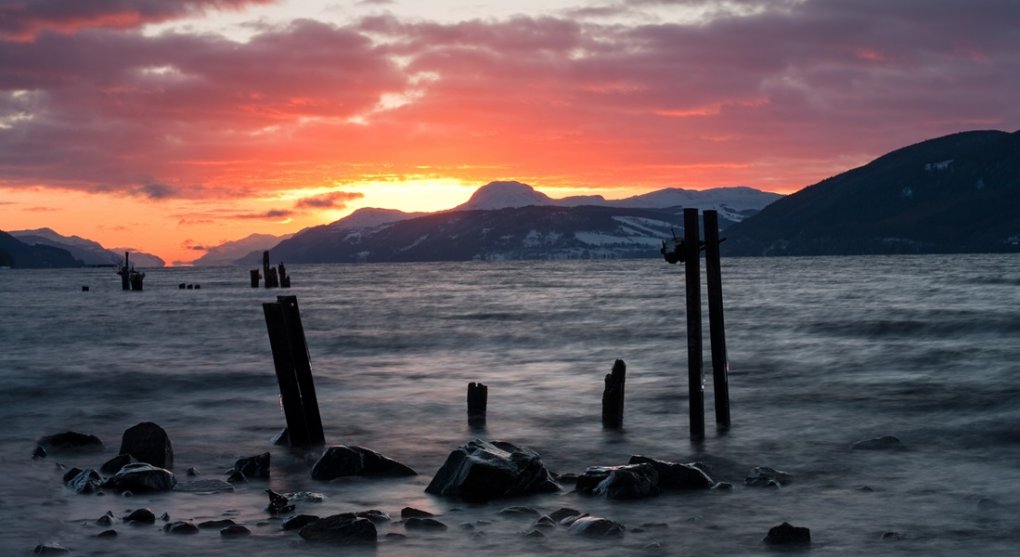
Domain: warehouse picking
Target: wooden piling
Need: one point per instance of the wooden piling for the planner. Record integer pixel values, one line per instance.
(284, 278)
(716, 324)
(255, 276)
(125, 276)
(265, 267)
(272, 279)
(293, 371)
(136, 280)
(477, 400)
(612, 396)
(695, 375)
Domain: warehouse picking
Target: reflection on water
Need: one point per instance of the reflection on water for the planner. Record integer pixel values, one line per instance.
(823, 352)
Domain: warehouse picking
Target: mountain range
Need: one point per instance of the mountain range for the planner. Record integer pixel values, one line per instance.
(45, 248)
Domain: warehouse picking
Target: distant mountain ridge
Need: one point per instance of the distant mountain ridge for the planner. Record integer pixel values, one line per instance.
(87, 251)
(17, 254)
(957, 193)
(228, 253)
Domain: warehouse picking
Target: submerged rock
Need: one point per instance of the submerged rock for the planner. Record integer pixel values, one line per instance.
(149, 443)
(629, 481)
(51, 549)
(254, 466)
(594, 526)
(298, 522)
(83, 481)
(204, 486)
(180, 527)
(278, 504)
(38, 453)
(482, 471)
(411, 512)
(884, 443)
(219, 524)
(114, 465)
(787, 534)
(70, 441)
(235, 531)
(345, 529)
(141, 516)
(141, 478)
(675, 475)
(107, 534)
(342, 460)
(763, 476)
(562, 513)
(426, 524)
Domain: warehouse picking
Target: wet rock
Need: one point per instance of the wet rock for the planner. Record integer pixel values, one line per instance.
(148, 443)
(281, 439)
(236, 477)
(395, 537)
(218, 524)
(630, 481)
(105, 520)
(192, 472)
(204, 486)
(722, 486)
(544, 523)
(675, 475)
(38, 453)
(410, 512)
(884, 443)
(787, 534)
(424, 524)
(298, 522)
(569, 480)
(594, 526)
(180, 527)
(763, 476)
(51, 549)
(70, 441)
(141, 516)
(141, 477)
(344, 529)
(563, 512)
(519, 511)
(535, 533)
(305, 497)
(83, 481)
(107, 534)
(114, 465)
(376, 516)
(278, 504)
(235, 531)
(165, 517)
(482, 471)
(341, 460)
(254, 466)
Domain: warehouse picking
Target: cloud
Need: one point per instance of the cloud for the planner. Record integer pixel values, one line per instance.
(157, 191)
(272, 214)
(41, 209)
(191, 245)
(25, 19)
(331, 200)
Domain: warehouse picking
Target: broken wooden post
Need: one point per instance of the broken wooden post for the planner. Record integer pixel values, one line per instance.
(692, 274)
(136, 280)
(125, 277)
(284, 279)
(716, 326)
(255, 276)
(293, 371)
(477, 400)
(612, 396)
(272, 279)
(265, 267)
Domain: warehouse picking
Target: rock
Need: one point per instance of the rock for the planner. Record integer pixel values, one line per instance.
(341, 460)
(105, 520)
(299, 521)
(236, 477)
(281, 439)
(563, 512)
(722, 486)
(180, 527)
(192, 472)
(235, 531)
(70, 441)
(426, 524)
(38, 453)
(534, 533)
(204, 486)
(630, 481)
(594, 526)
(114, 465)
(376, 516)
(787, 534)
(519, 511)
(218, 524)
(83, 481)
(141, 516)
(482, 470)
(51, 549)
(410, 512)
(107, 534)
(763, 476)
(147, 442)
(278, 504)
(395, 537)
(305, 497)
(567, 479)
(141, 477)
(892, 536)
(254, 466)
(544, 522)
(345, 528)
(674, 475)
(884, 443)
(165, 517)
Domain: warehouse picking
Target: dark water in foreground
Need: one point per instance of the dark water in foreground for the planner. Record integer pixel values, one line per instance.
(823, 351)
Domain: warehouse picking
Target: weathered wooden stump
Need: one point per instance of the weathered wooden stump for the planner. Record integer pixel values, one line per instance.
(283, 277)
(477, 400)
(255, 277)
(695, 374)
(612, 396)
(293, 371)
(716, 326)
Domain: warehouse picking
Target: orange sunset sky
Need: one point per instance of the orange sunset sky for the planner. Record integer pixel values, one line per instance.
(171, 126)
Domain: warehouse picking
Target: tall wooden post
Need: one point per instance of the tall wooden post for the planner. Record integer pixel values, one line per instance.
(254, 274)
(477, 400)
(265, 267)
(293, 371)
(695, 376)
(125, 278)
(716, 325)
(612, 396)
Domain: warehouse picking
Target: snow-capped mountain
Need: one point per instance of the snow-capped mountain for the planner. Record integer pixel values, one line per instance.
(228, 253)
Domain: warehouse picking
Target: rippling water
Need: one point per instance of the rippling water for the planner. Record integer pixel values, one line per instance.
(823, 352)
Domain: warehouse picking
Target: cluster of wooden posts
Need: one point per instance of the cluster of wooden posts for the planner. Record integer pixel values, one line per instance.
(276, 277)
(297, 390)
(130, 279)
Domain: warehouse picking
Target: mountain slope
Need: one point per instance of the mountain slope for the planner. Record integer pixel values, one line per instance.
(85, 250)
(958, 193)
(228, 253)
(15, 253)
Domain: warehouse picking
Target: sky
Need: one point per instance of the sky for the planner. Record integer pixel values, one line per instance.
(170, 127)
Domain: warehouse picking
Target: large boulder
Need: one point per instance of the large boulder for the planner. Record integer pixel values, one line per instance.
(148, 442)
(675, 475)
(70, 441)
(345, 529)
(483, 470)
(629, 481)
(141, 478)
(342, 460)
